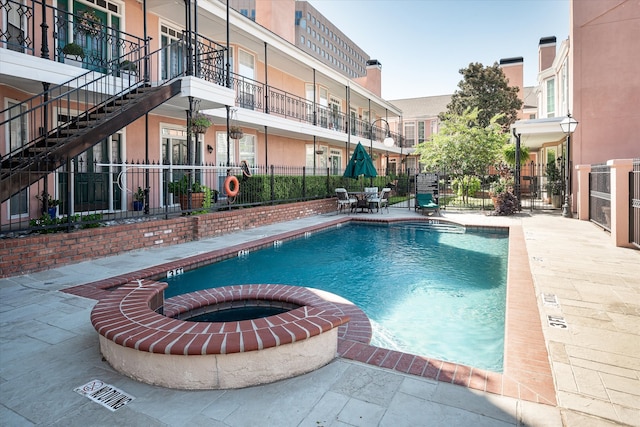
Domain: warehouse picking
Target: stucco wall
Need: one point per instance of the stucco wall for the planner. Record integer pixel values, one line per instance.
(606, 82)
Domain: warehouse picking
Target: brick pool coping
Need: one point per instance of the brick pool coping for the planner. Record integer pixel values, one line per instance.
(128, 317)
(526, 375)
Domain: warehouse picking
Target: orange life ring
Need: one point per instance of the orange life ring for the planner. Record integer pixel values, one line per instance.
(227, 186)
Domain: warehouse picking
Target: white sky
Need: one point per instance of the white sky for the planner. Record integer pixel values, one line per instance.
(422, 44)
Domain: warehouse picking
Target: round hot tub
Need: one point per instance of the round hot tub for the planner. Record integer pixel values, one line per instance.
(145, 337)
(236, 311)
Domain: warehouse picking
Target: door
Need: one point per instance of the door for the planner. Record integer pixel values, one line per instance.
(89, 31)
(172, 56)
(175, 152)
(91, 182)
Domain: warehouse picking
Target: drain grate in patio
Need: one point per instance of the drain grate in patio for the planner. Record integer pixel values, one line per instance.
(106, 395)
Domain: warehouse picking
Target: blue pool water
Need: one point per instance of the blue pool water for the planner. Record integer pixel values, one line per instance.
(427, 292)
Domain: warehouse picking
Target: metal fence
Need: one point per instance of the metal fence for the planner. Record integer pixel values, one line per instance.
(600, 196)
(87, 194)
(634, 204)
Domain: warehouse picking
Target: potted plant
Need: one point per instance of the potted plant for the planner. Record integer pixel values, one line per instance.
(498, 188)
(554, 184)
(235, 132)
(138, 199)
(73, 54)
(49, 204)
(182, 189)
(200, 123)
(509, 154)
(128, 69)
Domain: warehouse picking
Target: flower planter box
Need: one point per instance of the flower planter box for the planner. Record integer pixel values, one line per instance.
(196, 201)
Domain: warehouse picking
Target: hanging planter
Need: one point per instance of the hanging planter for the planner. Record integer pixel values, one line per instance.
(235, 132)
(200, 123)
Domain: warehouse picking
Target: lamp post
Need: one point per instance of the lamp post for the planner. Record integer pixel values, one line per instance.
(388, 141)
(568, 125)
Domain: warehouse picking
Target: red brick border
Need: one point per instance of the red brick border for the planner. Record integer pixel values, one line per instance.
(128, 317)
(45, 251)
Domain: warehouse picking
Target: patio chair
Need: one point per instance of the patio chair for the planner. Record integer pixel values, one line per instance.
(345, 200)
(371, 192)
(382, 200)
(424, 201)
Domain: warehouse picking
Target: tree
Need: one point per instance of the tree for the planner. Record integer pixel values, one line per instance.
(487, 89)
(463, 147)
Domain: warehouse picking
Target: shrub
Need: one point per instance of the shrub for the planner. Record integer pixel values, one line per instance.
(466, 186)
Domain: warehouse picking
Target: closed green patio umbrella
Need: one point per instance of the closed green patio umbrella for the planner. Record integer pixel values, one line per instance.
(360, 164)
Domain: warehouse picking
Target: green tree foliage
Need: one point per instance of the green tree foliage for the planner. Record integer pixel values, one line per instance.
(487, 89)
(462, 147)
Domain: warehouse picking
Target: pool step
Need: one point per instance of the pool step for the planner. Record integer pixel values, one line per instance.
(440, 227)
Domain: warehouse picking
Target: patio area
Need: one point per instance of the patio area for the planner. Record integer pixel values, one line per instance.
(49, 348)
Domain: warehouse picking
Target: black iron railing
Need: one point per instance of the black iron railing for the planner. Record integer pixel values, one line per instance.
(600, 196)
(634, 204)
(253, 95)
(56, 28)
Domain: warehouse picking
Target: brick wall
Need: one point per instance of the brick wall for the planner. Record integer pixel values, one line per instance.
(44, 251)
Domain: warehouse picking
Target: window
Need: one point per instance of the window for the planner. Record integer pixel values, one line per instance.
(17, 129)
(246, 68)
(311, 155)
(16, 26)
(551, 100)
(171, 58)
(421, 135)
(247, 149)
(410, 134)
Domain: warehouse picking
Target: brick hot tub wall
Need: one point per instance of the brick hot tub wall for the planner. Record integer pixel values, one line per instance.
(157, 349)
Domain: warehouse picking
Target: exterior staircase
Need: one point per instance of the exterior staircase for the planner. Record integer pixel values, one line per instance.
(46, 153)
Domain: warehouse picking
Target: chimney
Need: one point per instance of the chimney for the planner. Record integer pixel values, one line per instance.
(546, 52)
(374, 76)
(513, 69)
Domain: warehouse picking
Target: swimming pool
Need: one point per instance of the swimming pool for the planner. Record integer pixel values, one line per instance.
(427, 292)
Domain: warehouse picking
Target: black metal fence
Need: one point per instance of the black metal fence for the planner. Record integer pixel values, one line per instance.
(600, 196)
(86, 194)
(634, 204)
(81, 194)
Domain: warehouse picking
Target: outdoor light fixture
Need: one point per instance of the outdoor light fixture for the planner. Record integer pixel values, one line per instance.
(388, 141)
(209, 148)
(568, 125)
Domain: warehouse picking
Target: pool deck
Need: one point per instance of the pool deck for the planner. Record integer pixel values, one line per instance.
(48, 347)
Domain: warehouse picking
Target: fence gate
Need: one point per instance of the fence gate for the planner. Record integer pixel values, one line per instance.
(634, 204)
(600, 196)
